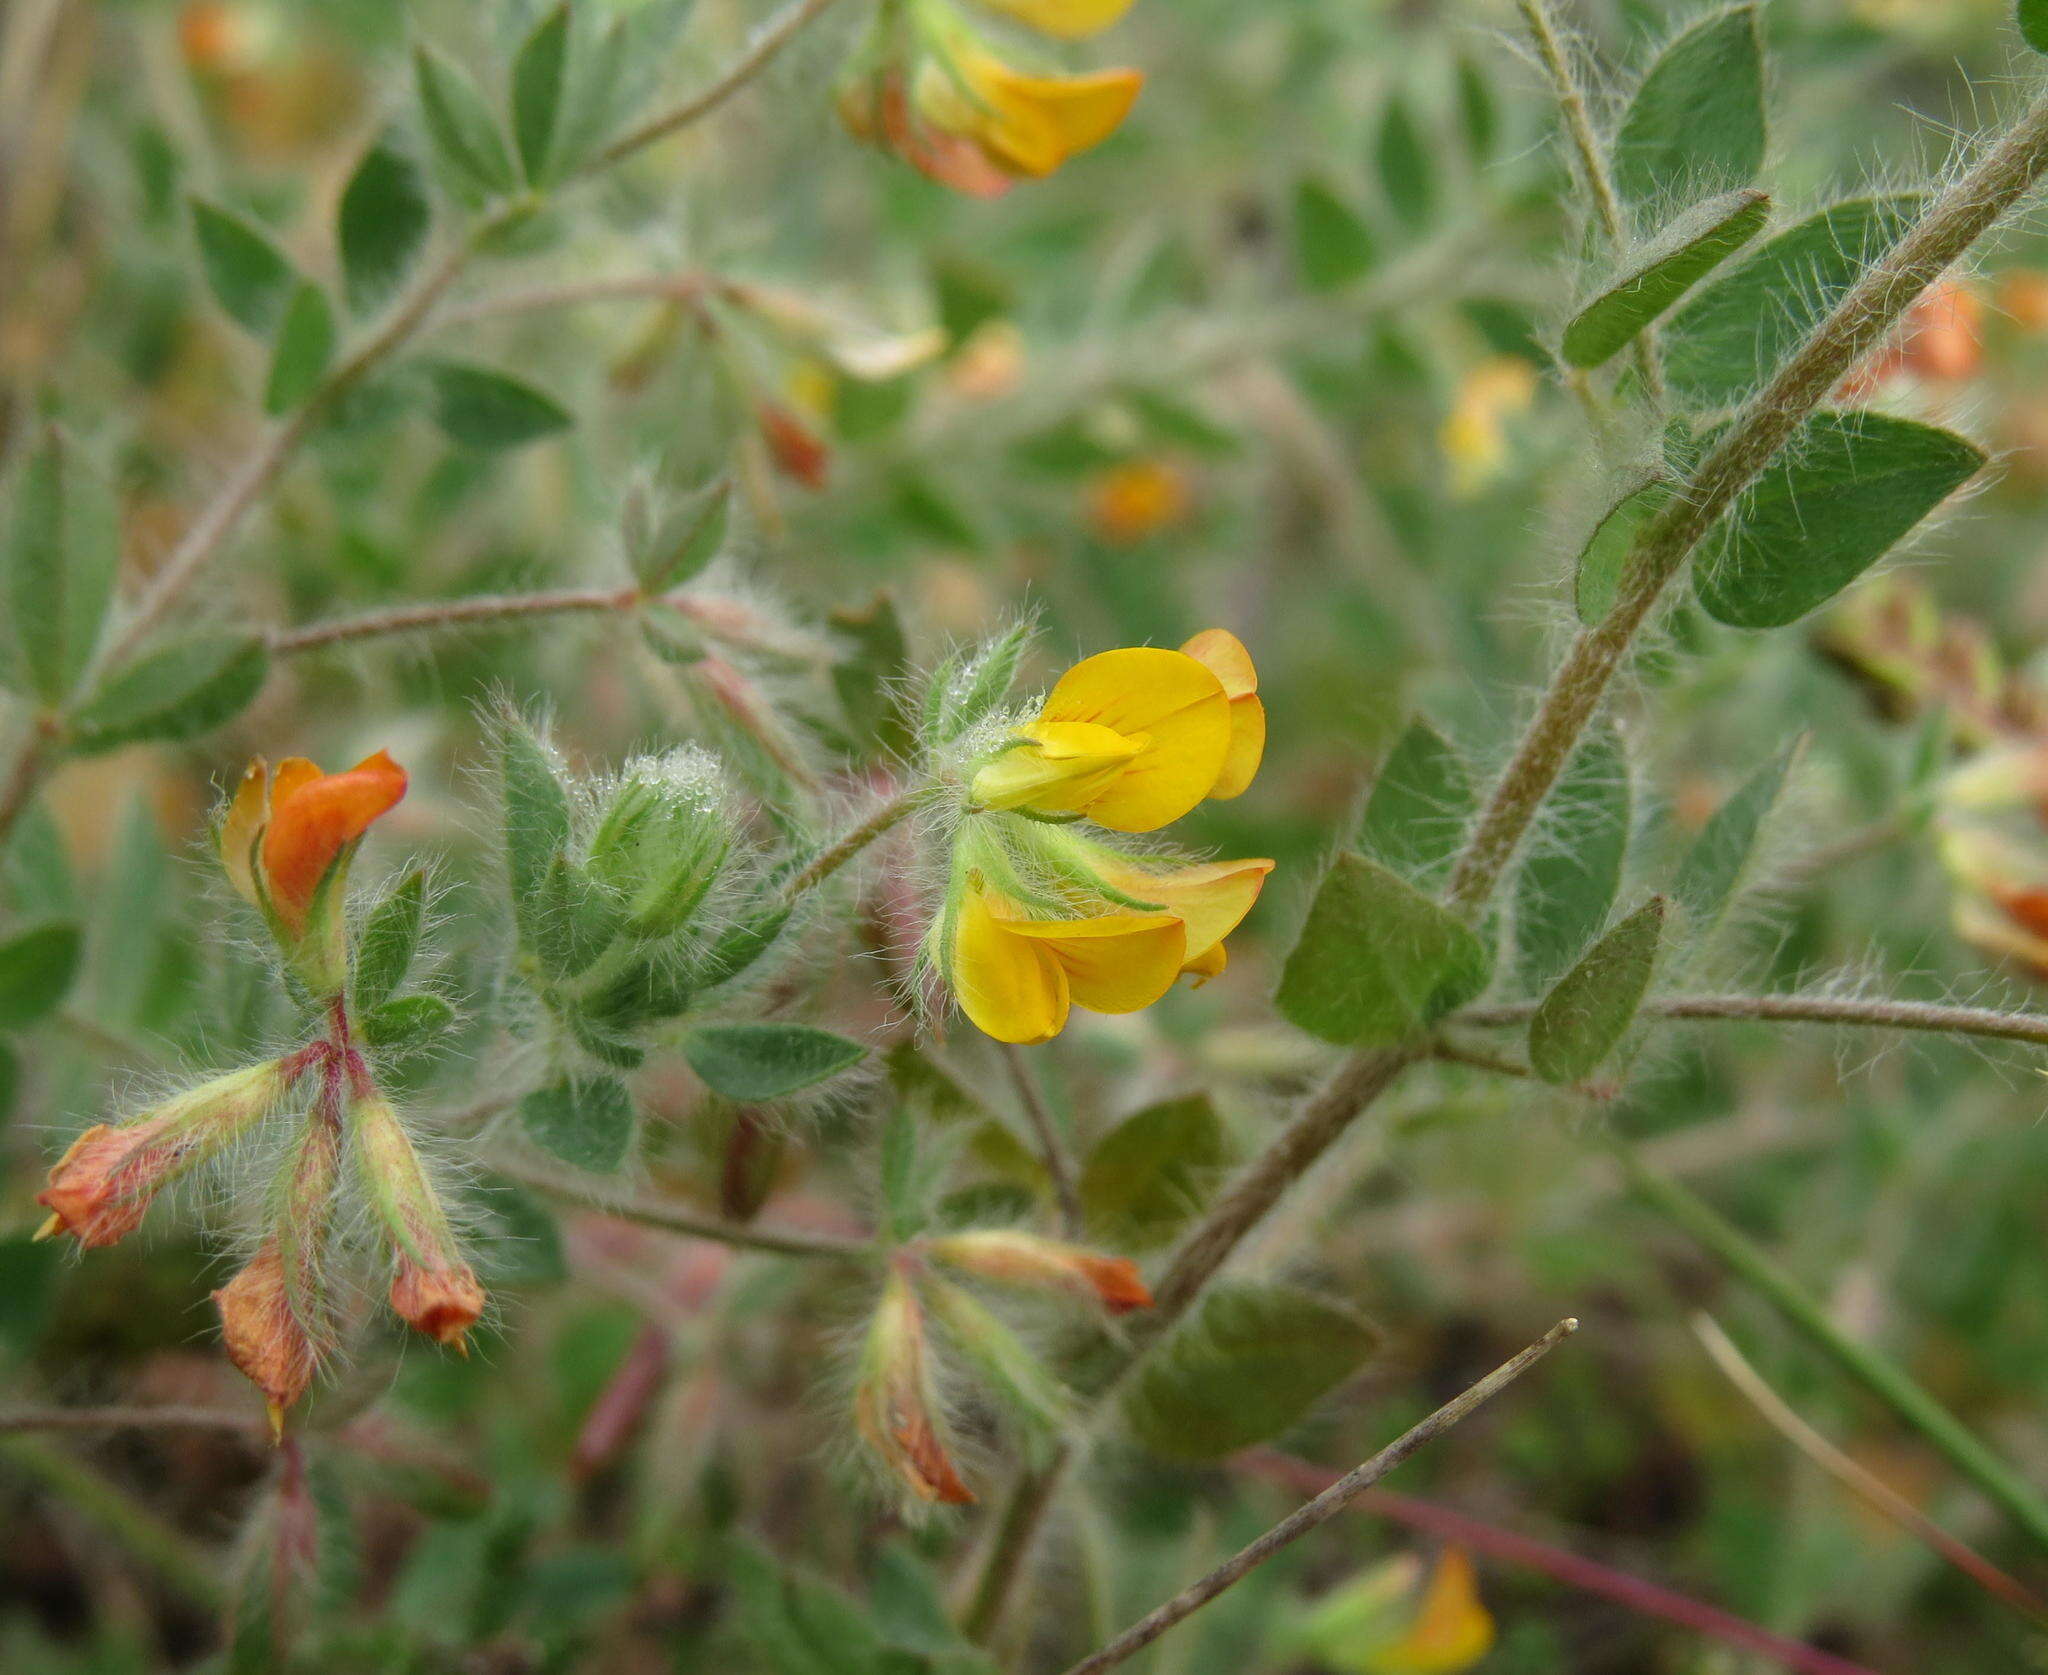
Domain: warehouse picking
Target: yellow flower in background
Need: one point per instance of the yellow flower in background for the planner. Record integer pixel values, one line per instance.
(1380, 1624)
(1024, 125)
(1474, 437)
(1071, 20)
(1132, 739)
(1017, 977)
(1224, 654)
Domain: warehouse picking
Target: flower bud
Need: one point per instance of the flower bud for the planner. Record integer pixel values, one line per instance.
(1025, 1260)
(433, 1289)
(102, 1187)
(895, 1405)
(663, 838)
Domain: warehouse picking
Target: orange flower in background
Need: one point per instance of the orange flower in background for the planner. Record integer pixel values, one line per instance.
(1023, 1259)
(2023, 298)
(287, 833)
(1136, 500)
(798, 452)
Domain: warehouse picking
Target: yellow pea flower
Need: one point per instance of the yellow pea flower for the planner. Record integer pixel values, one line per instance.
(1017, 977)
(1071, 20)
(1452, 1629)
(1133, 739)
(1223, 653)
(1025, 125)
(1210, 900)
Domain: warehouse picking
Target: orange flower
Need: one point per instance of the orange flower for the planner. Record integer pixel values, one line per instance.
(289, 834)
(1024, 1259)
(1140, 498)
(101, 1188)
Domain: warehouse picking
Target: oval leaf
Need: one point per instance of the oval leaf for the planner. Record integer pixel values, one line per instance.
(1714, 866)
(62, 555)
(250, 277)
(539, 75)
(409, 1021)
(1675, 261)
(1583, 1019)
(305, 344)
(1332, 243)
(462, 124)
(37, 967)
(1378, 961)
(1596, 580)
(1738, 328)
(175, 692)
(1697, 120)
(749, 1063)
(1406, 171)
(2033, 22)
(383, 223)
(1421, 801)
(482, 408)
(391, 936)
(1147, 1175)
(1569, 881)
(587, 1122)
(1840, 495)
(1251, 1362)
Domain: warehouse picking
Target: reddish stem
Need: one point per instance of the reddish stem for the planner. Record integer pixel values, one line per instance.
(1645, 1598)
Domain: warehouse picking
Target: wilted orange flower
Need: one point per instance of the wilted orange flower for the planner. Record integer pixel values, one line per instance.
(895, 1405)
(290, 832)
(1130, 502)
(1023, 1259)
(101, 1188)
(433, 1289)
(264, 1336)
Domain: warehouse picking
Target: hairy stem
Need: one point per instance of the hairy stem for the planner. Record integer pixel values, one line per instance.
(1052, 1150)
(1909, 1403)
(760, 51)
(1922, 1017)
(1956, 219)
(835, 855)
(678, 1218)
(1555, 58)
(1320, 1510)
